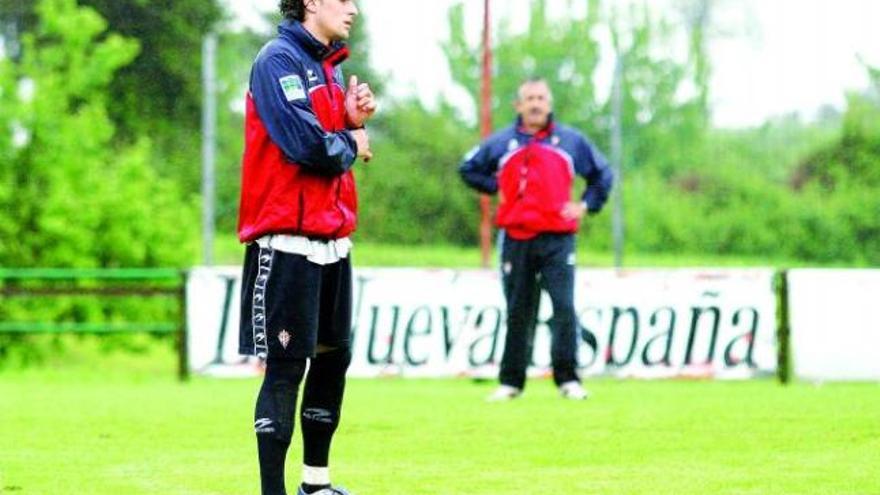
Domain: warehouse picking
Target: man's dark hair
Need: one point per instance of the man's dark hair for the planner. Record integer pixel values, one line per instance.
(294, 10)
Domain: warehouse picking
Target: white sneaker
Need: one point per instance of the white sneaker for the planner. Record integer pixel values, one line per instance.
(504, 393)
(572, 390)
(325, 491)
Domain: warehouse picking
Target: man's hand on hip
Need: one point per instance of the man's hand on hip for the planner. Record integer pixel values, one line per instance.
(573, 210)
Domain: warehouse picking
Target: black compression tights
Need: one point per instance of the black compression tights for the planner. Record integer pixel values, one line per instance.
(322, 404)
(273, 420)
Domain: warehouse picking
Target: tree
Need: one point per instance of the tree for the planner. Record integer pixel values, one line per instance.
(70, 194)
(665, 99)
(360, 61)
(564, 51)
(410, 192)
(159, 93)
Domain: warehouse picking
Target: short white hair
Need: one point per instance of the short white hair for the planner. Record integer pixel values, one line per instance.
(533, 80)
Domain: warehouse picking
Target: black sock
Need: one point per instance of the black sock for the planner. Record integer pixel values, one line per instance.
(322, 403)
(272, 454)
(273, 421)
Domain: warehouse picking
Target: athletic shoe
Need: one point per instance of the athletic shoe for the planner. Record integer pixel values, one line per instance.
(572, 390)
(325, 491)
(504, 393)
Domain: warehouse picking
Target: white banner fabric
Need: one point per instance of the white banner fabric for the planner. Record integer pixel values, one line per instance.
(436, 323)
(835, 324)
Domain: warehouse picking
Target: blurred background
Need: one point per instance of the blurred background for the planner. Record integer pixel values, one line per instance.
(749, 131)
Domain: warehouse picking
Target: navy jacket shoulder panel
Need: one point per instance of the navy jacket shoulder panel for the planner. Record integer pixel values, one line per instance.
(480, 164)
(502, 142)
(279, 85)
(590, 164)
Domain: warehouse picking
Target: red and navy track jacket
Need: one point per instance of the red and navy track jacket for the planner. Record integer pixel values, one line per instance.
(296, 170)
(533, 175)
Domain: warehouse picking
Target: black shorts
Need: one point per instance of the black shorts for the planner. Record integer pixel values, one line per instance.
(289, 305)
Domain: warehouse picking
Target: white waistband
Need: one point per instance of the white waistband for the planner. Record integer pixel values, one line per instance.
(318, 252)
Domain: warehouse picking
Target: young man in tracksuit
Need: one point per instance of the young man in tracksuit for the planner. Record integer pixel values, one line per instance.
(303, 133)
(531, 166)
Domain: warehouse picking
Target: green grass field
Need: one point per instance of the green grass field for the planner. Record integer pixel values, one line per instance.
(114, 430)
(229, 252)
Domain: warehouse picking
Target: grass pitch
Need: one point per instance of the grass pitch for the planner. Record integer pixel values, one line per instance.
(229, 251)
(131, 433)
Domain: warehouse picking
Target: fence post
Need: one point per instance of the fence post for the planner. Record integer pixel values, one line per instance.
(618, 219)
(183, 333)
(783, 329)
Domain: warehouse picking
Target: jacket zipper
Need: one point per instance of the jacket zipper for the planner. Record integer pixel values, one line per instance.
(524, 173)
(302, 211)
(334, 104)
(328, 76)
(338, 207)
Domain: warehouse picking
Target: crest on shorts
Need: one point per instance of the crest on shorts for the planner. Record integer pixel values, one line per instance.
(284, 338)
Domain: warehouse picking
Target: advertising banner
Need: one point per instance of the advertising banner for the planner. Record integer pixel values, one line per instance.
(436, 323)
(835, 324)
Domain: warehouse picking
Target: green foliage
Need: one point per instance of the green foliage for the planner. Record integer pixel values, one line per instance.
(565, 52)
(687, 188)
(235, 54)
(754, 201)
(855, 160)
(665, 100)
(160, 84)
(410, 192)
(359, 63)
(157, 93)
(766, 192)
(70, 195)
(842, 180)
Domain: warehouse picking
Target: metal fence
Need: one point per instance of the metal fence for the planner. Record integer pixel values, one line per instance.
(106, 283)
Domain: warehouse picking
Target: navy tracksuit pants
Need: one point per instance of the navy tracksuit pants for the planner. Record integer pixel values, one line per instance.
(550, 256)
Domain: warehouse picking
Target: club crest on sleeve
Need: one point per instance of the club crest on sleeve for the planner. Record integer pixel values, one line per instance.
(293, 87)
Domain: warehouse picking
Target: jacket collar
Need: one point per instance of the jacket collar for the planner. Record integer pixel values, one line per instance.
(542, 134)
(294, 32)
